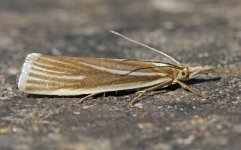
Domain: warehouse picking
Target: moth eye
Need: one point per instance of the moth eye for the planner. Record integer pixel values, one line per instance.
(183, 73)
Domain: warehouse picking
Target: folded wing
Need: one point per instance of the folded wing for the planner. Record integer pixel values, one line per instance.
(57, 75)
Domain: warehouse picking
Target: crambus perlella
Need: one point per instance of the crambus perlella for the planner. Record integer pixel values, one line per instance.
(59, 75)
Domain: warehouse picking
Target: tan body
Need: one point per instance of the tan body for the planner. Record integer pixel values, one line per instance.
(57, 75)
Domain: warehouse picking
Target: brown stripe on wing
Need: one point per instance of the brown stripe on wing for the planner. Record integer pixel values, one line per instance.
(43, 69)
(56, 78)
(106, 79)
(62, 64)
(117, 64)
(36, 89)
(51, 67)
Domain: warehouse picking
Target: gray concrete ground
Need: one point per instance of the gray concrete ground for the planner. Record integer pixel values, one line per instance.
(200, 32)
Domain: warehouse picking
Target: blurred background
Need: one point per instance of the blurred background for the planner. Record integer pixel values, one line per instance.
(80, 27)
(196, 32)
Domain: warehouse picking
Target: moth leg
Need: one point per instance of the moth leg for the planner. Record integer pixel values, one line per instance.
(141, 93)
(185, 86)
(81, 101)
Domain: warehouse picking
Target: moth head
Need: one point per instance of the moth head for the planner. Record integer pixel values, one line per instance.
(183, 73)
(195, 71)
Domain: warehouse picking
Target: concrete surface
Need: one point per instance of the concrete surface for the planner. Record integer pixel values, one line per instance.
(196, 32)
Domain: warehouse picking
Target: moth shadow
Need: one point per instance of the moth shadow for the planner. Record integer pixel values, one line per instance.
(193, 81)
(53, 96)
(106, 94)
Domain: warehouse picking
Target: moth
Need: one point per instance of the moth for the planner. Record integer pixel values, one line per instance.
(68, 76)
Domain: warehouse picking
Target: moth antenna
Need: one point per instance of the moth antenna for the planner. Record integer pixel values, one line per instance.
(146, 46)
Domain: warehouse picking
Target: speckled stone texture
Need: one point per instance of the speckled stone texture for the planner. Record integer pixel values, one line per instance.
(200, 32)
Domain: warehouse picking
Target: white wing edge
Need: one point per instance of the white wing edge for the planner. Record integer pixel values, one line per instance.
(29, 60)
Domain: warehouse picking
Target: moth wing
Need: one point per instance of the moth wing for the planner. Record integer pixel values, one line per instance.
(55, 75)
